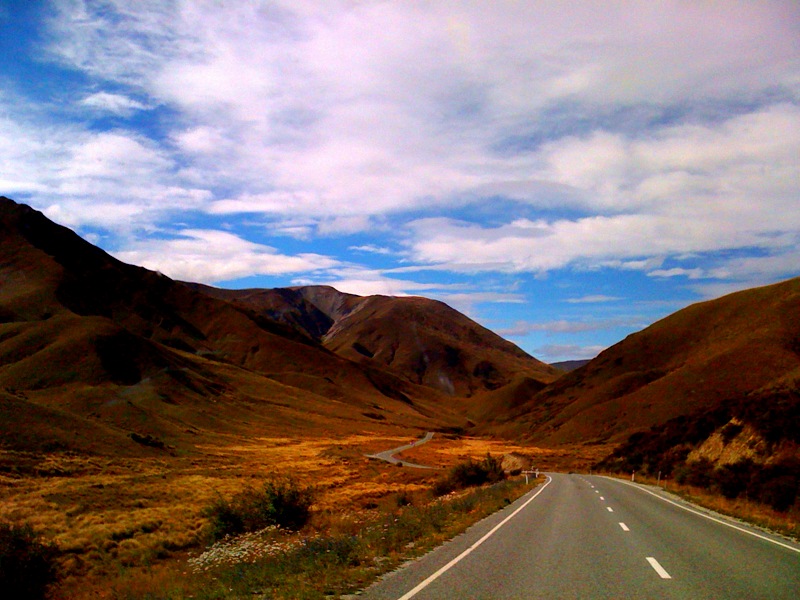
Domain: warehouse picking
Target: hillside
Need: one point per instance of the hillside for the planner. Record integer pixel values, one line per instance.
(693, 360)
(708, 396)
(570, 365)
(98, 355)
(420, 340)
(102, 356)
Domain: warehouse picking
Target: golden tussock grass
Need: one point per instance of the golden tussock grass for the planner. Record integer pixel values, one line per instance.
(446, 451)
(141, 517)
(108, 514)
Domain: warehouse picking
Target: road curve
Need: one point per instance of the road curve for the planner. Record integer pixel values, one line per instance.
(595, 537)
(388, 455)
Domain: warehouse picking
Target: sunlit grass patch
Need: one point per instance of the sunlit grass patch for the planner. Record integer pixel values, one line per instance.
(340, 558)
(119, 522)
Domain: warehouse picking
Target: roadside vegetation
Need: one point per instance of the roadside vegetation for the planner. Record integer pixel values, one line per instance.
(334, 552)
(749, 468)
(171, 527)
(280, 503)
(28, 566)
(757, 513)
(470, 473)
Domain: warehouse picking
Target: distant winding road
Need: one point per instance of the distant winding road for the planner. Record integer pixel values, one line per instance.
(579, 536)
(388, 455)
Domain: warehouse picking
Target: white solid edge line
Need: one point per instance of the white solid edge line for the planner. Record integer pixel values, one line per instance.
(658, 568)
(421, 586)
(709, 517)
(624, 527)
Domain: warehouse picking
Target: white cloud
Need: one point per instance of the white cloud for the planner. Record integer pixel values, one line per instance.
(523, 328)
(542, 246)
(357, 109)
(592, 299)
(679, 272)
(653, 130)
(212, 256)
(117, 104)
(371, 249)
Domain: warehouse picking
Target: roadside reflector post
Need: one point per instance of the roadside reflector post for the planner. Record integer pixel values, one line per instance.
(633, 475)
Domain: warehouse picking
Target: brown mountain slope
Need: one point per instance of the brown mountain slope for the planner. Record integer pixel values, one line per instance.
(121, 350)
(690, 361)
(420, 340)
(431, 344)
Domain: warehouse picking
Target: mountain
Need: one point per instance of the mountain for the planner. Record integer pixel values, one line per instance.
(693, 360)
(100, 356)
(569, 365)
(420, 340)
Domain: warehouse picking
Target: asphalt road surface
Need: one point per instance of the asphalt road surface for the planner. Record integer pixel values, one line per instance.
(579, 536)
(388, 455)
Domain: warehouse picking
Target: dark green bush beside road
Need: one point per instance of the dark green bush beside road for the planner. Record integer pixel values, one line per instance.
(278, 502)
(27, 564)
(470, 474)
(664, 450)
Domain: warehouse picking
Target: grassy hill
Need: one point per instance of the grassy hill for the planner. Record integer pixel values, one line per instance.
(709, 395)
(100, 356)
(97, 355)
(420, 340)
(695, 359)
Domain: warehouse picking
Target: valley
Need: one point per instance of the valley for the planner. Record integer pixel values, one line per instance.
(130, 403)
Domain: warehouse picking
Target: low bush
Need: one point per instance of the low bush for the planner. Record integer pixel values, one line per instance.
(278, 502)
(27, 564)
(336, 563)
(470, 474)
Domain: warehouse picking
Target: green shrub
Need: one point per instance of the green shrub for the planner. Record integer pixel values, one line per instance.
(780, 493)
(470, 474)
(278, 502)
(27, 564)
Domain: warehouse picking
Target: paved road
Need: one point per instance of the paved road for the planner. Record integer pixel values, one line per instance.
(388, 455)
(595, 537)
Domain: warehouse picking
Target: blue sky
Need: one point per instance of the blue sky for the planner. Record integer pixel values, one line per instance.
(564, 173)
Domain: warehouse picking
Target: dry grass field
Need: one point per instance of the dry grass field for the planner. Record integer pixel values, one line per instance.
(130, 518)
(444, 451)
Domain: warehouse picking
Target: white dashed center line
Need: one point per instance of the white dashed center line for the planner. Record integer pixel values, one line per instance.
(658, 568)
(624, 527)
(609, 509)
(601, 498)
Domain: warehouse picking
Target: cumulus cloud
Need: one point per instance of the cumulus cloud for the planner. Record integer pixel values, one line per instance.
(212, 256)
(425, 106)
(623, 136)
